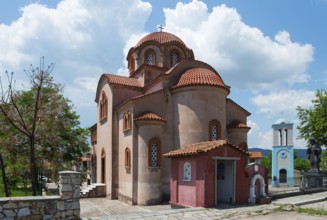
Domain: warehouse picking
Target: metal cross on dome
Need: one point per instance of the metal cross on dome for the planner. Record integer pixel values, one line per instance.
(160, 27)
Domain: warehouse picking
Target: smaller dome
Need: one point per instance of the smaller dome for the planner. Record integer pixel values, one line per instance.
(200, 76)
(161, 38)
(150, 116)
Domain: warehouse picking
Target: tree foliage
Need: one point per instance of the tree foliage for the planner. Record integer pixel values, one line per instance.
(323, 164)
(302, 164)
(266, 161)
(313, 121)
(40, 123)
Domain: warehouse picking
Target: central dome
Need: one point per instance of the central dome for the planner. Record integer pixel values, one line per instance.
(161, 38)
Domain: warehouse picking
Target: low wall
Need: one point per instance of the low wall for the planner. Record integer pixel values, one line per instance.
(64, 206)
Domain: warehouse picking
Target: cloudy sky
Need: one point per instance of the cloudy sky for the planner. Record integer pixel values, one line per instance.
(272, 53)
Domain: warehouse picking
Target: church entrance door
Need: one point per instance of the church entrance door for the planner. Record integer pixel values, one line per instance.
(283, 176)
(225, 181)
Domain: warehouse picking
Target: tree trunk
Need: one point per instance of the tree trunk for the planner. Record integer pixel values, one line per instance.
(33, 167)
(4, 177)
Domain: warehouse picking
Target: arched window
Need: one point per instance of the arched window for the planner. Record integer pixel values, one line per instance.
(127, 158)
(243, 146)
(174, 58)
(127, 122)
(221, 171)
(150, 57)
(154, 153)
(103, 106)
(187, 171)
(214, 130)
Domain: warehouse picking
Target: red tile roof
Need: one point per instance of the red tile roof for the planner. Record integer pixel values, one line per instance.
(160, 37)
(255, 155)
(84, 159)
(123, 80)
(202, 148)
(150, 116)
(200, 76)
(238, 124)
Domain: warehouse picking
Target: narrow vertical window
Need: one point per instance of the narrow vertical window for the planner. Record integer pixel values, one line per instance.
(127, 123)
(103, 106)
(127, 158)
(174, 58)
(150, 57)
(187, 171)
(214, 130)
(154, 153)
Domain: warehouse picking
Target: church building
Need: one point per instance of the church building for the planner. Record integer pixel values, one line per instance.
(169, 102)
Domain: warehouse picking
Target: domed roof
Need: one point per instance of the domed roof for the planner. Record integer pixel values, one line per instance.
(200, 76)
(161, 38)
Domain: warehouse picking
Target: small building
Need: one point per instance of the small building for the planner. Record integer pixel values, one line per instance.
(282, 155)
(255, 157)
(208, 173)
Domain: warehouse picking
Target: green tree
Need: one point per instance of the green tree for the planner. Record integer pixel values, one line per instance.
(313, 121)
(302, 164)
(323, 164)
(266, 161)
(44, 123)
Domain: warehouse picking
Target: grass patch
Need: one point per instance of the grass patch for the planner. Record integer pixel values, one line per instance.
(311, 211)
(15, 192)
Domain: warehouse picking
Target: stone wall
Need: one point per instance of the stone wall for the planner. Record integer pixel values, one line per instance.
(64, 206)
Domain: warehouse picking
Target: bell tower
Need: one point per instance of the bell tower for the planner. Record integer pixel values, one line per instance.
(282, 155)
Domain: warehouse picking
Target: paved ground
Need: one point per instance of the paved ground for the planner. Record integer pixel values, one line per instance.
(103, 208)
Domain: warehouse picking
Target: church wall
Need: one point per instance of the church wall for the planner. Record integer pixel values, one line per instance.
(237, 136)
(104, 140)
(160, 104)
(193, 109)
(121, 94)
(234, 113)
(149, 186)
(125, 174)
(156, 87)
(187, 195)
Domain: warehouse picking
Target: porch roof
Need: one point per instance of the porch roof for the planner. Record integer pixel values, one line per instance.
(202, 148)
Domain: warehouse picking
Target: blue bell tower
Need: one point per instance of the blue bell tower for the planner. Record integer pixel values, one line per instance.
(282, 155)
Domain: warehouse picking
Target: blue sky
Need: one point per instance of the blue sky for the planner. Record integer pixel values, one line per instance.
(272, 53)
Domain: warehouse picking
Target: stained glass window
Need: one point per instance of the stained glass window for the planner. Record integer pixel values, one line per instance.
(214, 130)
(174, 58)
(154, 155)
(214, 133)
(187, 171)
(150, 58)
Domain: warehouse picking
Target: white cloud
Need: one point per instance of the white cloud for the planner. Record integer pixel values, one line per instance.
(83, 37)
(283, 102)
(243, 55)
(260, 139)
